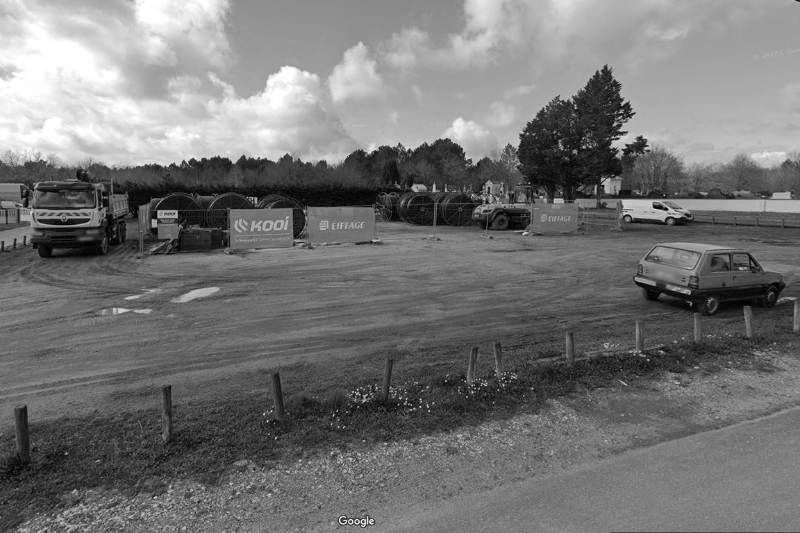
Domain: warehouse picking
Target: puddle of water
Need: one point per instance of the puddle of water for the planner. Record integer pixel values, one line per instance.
(112, 311)
(197, 293)
(143, 311)
(134, 297)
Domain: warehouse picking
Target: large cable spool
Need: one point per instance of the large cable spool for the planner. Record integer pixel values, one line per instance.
(298, 214)
(456, 208)
(185, 204)
(386, 206)
(416, 208)
(217, 213)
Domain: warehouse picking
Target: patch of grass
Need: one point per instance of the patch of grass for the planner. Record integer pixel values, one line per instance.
(125, 451)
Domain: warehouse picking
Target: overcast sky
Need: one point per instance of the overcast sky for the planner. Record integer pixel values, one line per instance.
(130, 82)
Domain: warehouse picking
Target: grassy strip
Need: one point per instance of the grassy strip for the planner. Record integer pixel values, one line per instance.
(125, 452)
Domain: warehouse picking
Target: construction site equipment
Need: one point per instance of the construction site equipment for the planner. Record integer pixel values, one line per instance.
(515, 210)
(77, 213)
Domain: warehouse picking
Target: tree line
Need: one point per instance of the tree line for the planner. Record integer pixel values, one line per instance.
(569, 148)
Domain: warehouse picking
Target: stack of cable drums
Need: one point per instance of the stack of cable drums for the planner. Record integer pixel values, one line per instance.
(386, 206)
(278, 201)
(217, 214)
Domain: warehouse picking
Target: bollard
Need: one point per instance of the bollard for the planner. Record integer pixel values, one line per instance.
(498, 360)
(23, 440)
(166, 413)
(278, 396)
(698, 328)
(748, 322)
(15, 244)
(796, 325)
(473, 358)
(2, 246)
(387, 377)
(639, 336)
(24, 240)
(570, 340)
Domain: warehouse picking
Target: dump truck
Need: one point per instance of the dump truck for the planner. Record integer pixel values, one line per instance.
(79, 213)
(502, 215)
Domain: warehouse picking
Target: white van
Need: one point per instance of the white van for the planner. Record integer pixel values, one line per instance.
(662, 211)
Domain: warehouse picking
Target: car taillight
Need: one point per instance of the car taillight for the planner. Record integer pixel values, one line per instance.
(694, 282)
(639, 270)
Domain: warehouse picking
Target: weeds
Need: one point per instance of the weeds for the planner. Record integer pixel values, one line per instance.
(125, 452)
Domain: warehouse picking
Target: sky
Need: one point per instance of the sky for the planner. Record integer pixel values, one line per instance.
(132, 82)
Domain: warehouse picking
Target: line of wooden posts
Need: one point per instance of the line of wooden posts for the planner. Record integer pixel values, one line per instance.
(14, 246)
(167, 433)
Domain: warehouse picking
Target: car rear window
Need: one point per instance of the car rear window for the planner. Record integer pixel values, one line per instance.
(685, 259)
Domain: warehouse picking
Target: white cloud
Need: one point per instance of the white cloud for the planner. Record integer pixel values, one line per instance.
(132, 83)
(356, 77)
(582, 31)
(516, 92)
(769, 159)
(476, 141)
(502, 115)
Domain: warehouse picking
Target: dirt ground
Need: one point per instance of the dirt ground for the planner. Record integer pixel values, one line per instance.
(325, 305)
(329, 305)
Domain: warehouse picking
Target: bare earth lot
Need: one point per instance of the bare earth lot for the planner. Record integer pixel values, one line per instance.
(303, 311)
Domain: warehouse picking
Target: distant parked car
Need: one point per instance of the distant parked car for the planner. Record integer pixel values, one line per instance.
(663, 211)
(706, 274)
(5, 204)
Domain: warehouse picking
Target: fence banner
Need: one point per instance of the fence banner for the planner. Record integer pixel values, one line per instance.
(340, 224)
(554, 218)
(261, 228)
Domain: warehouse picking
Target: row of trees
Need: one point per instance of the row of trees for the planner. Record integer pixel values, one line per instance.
(569, 147)
(662, 170)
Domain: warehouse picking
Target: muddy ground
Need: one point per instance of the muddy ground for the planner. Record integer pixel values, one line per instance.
(324, 306)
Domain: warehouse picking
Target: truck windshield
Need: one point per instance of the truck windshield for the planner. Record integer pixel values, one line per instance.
(64, 198)
(675, 257)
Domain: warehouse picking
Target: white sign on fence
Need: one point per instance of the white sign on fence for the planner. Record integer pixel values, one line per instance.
(261, 228)
(340, 224)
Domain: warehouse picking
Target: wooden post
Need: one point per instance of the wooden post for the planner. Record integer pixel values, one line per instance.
(756, 221)
(387, 378)
(498, 359)
(166, 413)
(748, 322)
(24, 240)
(639, 336)
(278, 396)
(570, 348)
(796, 325)
(698, 328)
(473, 358)
(2, 246)
(23, 440)
(15, 244)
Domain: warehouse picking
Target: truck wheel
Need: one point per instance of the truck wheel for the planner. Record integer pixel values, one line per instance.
(500, 223)
(102, 248)
(627, 219)
(710, 305)
(670, 221)
(44, 251)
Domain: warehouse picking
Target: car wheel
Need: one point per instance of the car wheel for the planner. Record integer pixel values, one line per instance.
(670, 221)
(44, 251)
(710, 305)
(500, 222)
(650, 295)
(770, 298)
(627, 219)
